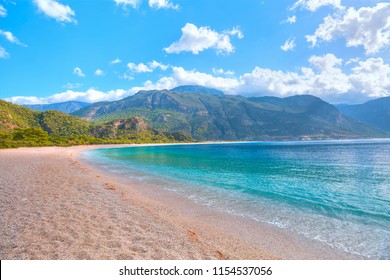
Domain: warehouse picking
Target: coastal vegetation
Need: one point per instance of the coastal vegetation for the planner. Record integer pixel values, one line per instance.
(22, 127)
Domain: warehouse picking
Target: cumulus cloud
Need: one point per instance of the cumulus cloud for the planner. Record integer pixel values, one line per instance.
(371, 77)
(289, 45)
(235, 32)
(56, 10)
(196, 40)
(155, 4)
(27, 100)
(163, 4)
(77, 71)
(91, 95)
(154, 64)
(367, 27)
(125, 3)
(139, 68)
(3, 11)
(314, 5)
(290, 20)
(182, 76)
(99, 72)
(145, 68)
(277, 82)
(115, 61)
(11, 37)
(327, 77)
(3, 53)
(220, 71)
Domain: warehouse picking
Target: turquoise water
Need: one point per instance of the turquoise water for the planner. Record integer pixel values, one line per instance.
(336, 192)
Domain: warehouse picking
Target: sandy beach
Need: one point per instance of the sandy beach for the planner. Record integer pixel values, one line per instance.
(55, 206)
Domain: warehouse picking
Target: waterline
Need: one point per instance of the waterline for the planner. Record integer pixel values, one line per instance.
(336, 192)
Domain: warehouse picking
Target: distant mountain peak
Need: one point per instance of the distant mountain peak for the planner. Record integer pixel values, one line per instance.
(374, 112)
(197, 89)
(65, 107)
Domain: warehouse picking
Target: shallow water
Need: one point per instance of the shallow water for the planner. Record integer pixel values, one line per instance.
(336, 192)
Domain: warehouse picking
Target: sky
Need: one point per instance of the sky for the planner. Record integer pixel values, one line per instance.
(94, 50)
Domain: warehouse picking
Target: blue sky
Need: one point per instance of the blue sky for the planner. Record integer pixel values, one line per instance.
(60, 50)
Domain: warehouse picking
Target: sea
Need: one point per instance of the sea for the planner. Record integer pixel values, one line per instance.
(335, 192)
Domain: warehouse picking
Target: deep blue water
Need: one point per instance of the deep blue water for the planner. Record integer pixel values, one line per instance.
(337, 192)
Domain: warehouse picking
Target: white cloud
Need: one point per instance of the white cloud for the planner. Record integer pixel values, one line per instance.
(143, 68)
(220, 71)
(290, 20)
(288, 83)
(235, 32)
(325, 79)
(115, 61)
(352, 60)
(371, 77)
(326, 62)
(314, 5)
(91, 96)
(26, 100)
(139, 68)
(3, 53)
(163, 4)
(330, 77)
(125, 3)
(155, 4)
(99, 72)
(154, 64)
(190, 77)
(3, 11)
(196, 39)
(367, 27)
(11, 37)
(289, 45)
(56, 10)
(325, 76)
(77, 71)
(181, 76)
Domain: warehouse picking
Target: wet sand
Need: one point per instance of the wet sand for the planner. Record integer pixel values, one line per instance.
(54, 205)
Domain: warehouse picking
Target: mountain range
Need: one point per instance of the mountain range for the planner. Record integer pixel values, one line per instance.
(201, 113)
(208, 114)
(375, 113)
(65, 107)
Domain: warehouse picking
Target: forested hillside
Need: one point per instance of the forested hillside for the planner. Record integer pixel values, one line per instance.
(21, 127)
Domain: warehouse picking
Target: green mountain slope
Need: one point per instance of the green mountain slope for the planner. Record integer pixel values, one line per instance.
(20, 126)
(14, 116)
(225, 117)
(375, 113)
(61, 124)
